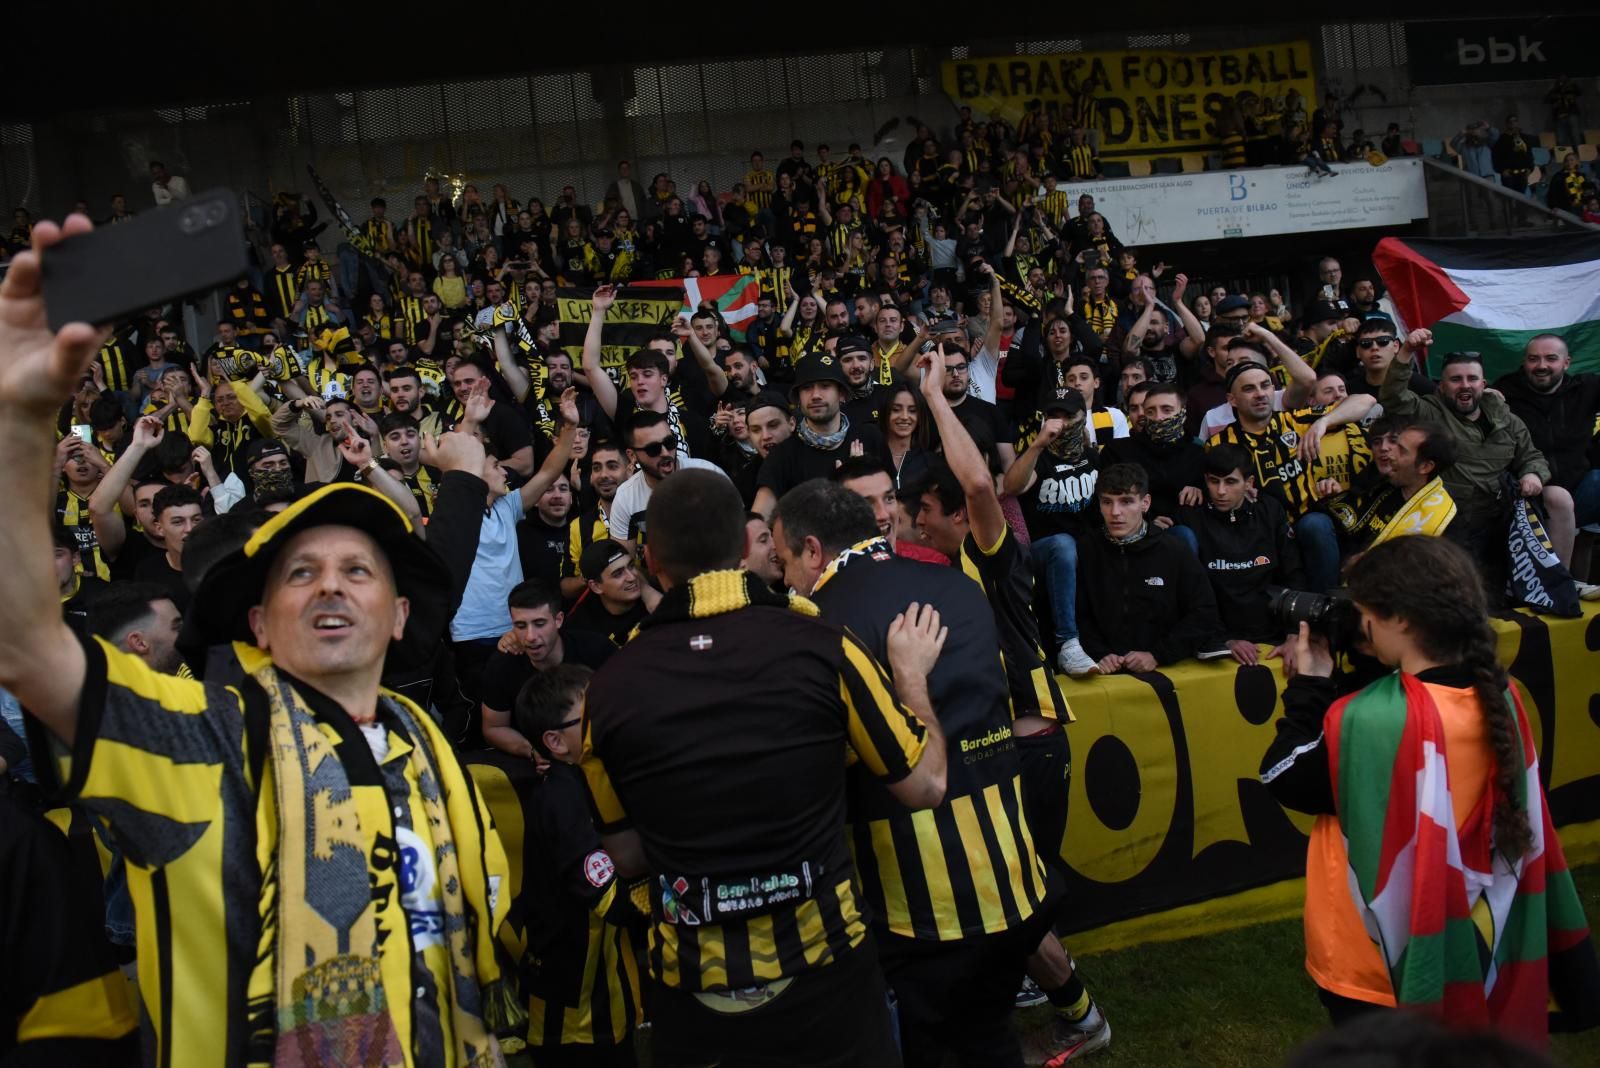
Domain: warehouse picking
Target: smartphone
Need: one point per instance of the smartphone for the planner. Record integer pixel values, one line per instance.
(116, 271)
(84, 431)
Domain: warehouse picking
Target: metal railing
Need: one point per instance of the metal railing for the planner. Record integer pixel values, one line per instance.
(1487, 207)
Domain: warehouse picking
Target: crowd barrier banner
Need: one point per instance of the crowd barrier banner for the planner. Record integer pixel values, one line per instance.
(639, 312)
(1151, 102)
(1170, 827)
(1174, 208)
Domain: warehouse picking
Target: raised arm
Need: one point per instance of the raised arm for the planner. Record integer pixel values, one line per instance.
(716, 377)
(358, 451)
(1194, 335)
(1302, 378)
(556, 462)
(41, 661)
(1133, 340)
(1020, 476)
(599, 382)
(991, 336)
(988, 522)
(110, 529)
(511, 369)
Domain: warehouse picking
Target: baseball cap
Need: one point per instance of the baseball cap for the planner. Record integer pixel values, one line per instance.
(1323, 310)
(597, 556)
(1231, 304)
(1068, 402)
(819, 367)
(1377, 321)
(261, 449)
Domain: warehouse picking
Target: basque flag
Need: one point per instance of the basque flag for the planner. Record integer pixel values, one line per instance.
(732, 295)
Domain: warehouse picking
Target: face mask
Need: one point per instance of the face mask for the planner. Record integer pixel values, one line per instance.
(274, 485)
(1071, 445)
(1167, 431)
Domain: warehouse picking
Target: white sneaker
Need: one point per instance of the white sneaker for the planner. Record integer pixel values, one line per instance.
(1588, 591)
(1073, 1041)
(1074, 661)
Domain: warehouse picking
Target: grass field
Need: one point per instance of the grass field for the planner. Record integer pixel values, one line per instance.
(1235, 1000)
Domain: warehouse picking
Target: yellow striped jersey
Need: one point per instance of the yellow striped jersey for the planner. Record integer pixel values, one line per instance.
(72, 512)
(1342, 455)
(283, 289)
(1007, 581)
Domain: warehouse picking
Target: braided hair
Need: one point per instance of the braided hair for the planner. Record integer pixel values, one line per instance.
(1433, 585)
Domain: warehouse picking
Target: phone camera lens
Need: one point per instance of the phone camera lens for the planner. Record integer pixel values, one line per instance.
(192, 220)
(215, 213)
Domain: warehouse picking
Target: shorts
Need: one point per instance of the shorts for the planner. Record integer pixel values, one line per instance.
(1046, 790)
(836, 1016)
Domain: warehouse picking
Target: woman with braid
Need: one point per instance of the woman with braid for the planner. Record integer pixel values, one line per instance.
(1434, 880)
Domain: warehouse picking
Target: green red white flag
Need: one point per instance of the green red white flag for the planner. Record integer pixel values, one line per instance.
(1491, 295)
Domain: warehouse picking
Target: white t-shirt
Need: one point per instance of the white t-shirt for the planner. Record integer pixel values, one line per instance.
(633, 496)
(982, 367)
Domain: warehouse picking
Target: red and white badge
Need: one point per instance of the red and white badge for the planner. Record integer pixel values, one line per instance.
(598, 869)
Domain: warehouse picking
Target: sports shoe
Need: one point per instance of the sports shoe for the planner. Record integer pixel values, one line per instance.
(1030, 995)
(1588, 591)
(1075, 1040)
(1074, 661)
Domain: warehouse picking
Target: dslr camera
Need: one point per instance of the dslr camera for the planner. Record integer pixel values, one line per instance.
(1332, 615)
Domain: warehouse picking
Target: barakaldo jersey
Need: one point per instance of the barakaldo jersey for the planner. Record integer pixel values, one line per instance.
(1279, 470)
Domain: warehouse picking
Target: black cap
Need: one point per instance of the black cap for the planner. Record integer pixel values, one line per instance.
(599, 555)
(1067, 401)
(1323, 310)
(819, 367)
(851, 343)
(261, 448)
(1231, 303)
(1377, 321)
(602, 232)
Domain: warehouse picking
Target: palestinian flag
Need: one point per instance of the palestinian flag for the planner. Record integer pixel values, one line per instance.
(733, 295)
(1491, 295)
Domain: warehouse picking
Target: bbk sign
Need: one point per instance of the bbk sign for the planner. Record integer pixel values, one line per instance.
(1501, 50)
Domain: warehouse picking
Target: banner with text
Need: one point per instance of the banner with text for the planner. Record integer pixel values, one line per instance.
(640, 312)
(1172, 208)
(1150, 102)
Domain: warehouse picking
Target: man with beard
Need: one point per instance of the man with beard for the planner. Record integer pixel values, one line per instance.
(1408, 497)
(545, 533)
(1150, 336)
(607, 466)
(402, 445)
(991, 430)
(504, 430)
(1173, 461)
(139, 618)
(618, 597)
(1054, 479)
(1364, 298)
(1559, 409)
(1491, 442)
(653, 447)
(824, 438)
(867, 394)
(744, 378)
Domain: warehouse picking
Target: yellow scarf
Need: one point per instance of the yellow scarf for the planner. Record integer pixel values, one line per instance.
(1428, 512)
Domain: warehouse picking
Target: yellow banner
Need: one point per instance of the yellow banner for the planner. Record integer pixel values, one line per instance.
(1149, 102)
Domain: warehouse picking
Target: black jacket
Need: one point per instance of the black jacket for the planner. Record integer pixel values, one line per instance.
(1560, 422)
(1150, 596)
(1170, 468)
(1244, 553)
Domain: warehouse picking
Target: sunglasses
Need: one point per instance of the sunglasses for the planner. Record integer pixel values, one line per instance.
(1376, 342)
(656, 448)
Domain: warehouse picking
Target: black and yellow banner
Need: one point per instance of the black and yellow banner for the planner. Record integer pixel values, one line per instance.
(640, 313)
(1149, 102)
(1170, 830)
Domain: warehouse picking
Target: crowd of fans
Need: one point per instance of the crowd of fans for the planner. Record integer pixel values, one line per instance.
(1127, 478)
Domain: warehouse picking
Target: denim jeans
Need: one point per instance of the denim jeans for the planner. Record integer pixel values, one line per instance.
(1187, 536)
(1586, 498)
(1055, 558)
(1319, 550)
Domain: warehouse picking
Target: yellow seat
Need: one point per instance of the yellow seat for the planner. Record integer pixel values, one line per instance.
(1193, 163)
(1547, 139)
(1587, 153)
(1139, 168)
(1592, 137)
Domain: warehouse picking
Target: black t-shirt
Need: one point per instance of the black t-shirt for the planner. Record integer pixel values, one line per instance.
(136, 549)
(984, 422)
(1165, 362)
(794, 462)
(505, 673)
(543, 547)
(155, 569)
(864, 411)
(1061, 499)
(691, 424)
(591, 615)
(1006, 575)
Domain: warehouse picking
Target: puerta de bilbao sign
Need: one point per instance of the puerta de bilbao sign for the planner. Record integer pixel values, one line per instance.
(1258, 202)
(1502, 50)
(1150, 102)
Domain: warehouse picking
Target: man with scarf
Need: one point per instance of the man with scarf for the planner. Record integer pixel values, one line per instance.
(1161, 446)
(1409, 496)
(824, 437)
(316, 881)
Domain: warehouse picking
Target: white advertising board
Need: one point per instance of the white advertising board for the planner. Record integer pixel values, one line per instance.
(1172, 208)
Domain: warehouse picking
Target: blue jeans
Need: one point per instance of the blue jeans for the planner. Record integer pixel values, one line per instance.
(1586, 498)
(1055, 559)
(1319, 549)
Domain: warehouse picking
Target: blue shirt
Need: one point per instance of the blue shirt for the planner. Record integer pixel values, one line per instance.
(495, 571)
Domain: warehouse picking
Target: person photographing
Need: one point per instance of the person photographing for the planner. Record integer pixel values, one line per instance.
(1433, 857)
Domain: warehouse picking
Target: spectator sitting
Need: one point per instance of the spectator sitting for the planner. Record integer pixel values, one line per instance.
(1174, 462)
(1246, 546)
(1143, 598)
(1560, 409)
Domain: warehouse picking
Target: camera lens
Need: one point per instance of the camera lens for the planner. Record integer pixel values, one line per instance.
(216, 211)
